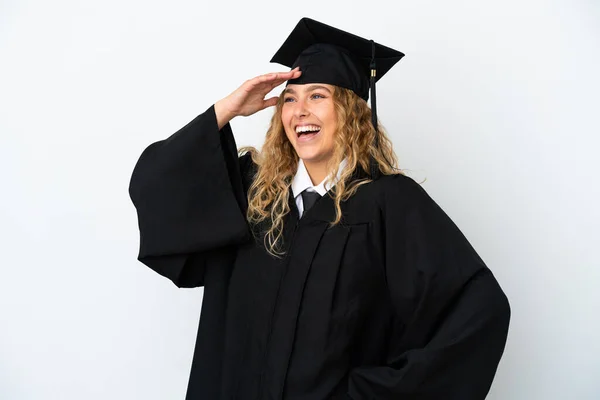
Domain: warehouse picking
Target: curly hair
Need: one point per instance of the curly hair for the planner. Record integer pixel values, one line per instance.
(277, 163)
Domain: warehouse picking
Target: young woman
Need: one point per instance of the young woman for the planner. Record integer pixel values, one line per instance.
(327, 273)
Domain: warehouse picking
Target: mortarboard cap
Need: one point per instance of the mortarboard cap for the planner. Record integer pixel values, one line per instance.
(329, 55)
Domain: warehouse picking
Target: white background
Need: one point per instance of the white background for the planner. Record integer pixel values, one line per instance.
(496, 104)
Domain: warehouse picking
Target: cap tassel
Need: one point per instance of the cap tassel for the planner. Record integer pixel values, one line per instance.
(374, 166)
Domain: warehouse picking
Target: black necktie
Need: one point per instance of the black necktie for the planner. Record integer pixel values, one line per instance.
(308, 199)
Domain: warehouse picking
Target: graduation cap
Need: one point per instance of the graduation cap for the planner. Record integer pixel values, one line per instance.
(329, 55)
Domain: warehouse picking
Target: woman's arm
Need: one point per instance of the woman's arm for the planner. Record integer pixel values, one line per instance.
(189, 198)
(188, 189)
(454, 314)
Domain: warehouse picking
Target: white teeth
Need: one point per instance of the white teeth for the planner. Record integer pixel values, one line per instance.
(307, 128)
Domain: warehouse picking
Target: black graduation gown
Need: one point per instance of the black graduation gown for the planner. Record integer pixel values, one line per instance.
(392, 304)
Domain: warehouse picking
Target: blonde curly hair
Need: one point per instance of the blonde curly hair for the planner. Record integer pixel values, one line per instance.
(277, 163)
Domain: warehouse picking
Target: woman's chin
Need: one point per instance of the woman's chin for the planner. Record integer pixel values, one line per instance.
(312, 158)
(307, 158)
(313, 155)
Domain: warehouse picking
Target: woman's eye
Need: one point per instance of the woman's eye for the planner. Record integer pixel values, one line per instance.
(287, 99)
(317, 94)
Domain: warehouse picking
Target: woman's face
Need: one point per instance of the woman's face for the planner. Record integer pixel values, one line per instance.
(309, 119)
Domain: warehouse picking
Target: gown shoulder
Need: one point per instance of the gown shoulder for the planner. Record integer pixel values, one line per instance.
(444, 297)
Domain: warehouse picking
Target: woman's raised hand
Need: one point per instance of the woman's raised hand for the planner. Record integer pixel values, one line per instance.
(250, 97)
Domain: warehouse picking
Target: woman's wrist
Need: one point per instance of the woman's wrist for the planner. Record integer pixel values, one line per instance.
(223, 114)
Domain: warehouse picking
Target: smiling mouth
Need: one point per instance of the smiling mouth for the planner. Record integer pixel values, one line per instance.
(307, 131)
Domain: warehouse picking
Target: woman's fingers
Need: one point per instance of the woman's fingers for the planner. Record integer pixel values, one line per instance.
(271, 84)
(271, 102)
(275, 78)
(287, 76)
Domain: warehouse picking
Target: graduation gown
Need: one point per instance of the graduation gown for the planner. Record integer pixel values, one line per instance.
(394, 303)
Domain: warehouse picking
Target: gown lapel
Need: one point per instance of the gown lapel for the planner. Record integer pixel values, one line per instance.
(303, 241)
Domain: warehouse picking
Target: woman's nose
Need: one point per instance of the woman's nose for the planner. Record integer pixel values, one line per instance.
(300, 110)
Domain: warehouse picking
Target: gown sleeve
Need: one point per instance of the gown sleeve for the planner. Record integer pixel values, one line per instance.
(452, 316)
(189, 194)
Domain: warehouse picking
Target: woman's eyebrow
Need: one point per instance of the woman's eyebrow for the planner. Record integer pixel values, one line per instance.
(308, 89)
(315, 87)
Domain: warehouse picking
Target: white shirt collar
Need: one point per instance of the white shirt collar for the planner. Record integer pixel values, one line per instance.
(302, 180)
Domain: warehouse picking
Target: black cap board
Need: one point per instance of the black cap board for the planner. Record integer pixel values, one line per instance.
(329, 55)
